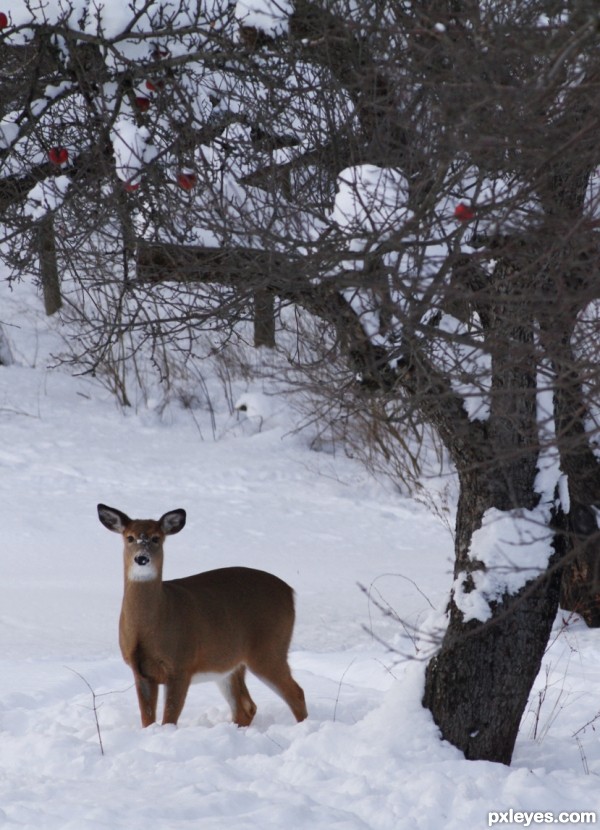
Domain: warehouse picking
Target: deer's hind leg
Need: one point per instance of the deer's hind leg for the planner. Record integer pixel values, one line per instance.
(235, 691)
(273, 669)
(280, 679)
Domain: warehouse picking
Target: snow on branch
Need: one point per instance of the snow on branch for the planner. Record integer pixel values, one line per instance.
(268, 16)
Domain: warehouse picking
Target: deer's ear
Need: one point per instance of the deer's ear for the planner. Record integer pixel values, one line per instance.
(172, 522)
(113, 519)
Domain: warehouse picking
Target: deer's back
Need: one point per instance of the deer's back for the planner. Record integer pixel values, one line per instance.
(243, 606)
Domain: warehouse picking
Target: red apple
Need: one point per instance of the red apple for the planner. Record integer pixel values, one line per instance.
(154, 86)
(186, 180)
(463, 212)
(142, 103)
(58, 155)
(130, 186)
(3, 20)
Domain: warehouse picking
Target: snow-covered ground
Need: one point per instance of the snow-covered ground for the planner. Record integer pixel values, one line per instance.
(368, 756)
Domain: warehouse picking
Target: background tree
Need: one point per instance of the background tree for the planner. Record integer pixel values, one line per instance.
(418, 183)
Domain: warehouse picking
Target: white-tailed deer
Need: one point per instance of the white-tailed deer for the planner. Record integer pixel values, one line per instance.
(210, 626)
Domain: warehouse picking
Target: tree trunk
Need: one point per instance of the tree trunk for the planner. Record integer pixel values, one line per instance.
(478, 684)
(49, 266)
(264, 318)
(6, 355)
(580, 589)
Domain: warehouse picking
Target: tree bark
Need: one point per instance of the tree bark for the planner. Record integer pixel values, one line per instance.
(6, 355)
(580, 589)
(264, 318)
(478, 684)
(49, 266)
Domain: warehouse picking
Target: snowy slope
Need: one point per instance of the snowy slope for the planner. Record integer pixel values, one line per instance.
(367, 757)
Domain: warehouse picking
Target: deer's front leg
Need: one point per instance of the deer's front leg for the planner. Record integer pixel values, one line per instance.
(147, 692)
(176, 691)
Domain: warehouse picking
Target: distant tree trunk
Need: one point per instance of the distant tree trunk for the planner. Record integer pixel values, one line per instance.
(49, 266)
(264, 318)
(6, 356)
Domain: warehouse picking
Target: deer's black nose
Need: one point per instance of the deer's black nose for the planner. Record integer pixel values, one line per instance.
(141, 559)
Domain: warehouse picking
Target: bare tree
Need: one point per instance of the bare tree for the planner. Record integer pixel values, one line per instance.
(420, 180)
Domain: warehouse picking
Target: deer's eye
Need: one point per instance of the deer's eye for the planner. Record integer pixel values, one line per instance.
(155, 540)
(131, 539)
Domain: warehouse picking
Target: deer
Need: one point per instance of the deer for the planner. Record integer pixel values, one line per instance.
(210, 626)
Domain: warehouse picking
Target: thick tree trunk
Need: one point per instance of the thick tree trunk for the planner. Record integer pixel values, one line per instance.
(478, 684)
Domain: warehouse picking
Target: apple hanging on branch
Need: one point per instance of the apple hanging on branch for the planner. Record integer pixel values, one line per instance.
(186, 180)
(142, 103)
(58, 156)
(463, 212)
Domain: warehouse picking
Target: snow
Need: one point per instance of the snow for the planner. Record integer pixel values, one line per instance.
(270, 16)
(368, 756)
(46, 195)
(112, 18)
(592, 196)
(370, 199)
(514, 546)
(132, 147)
(468, 365)
(9, 131)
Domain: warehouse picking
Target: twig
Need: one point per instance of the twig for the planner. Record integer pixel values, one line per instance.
(94, 707)
(586, 768)
(340, 684)
(591, 723)
(386, 609)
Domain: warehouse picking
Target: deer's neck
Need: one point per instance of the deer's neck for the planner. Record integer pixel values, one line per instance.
(142, 601)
